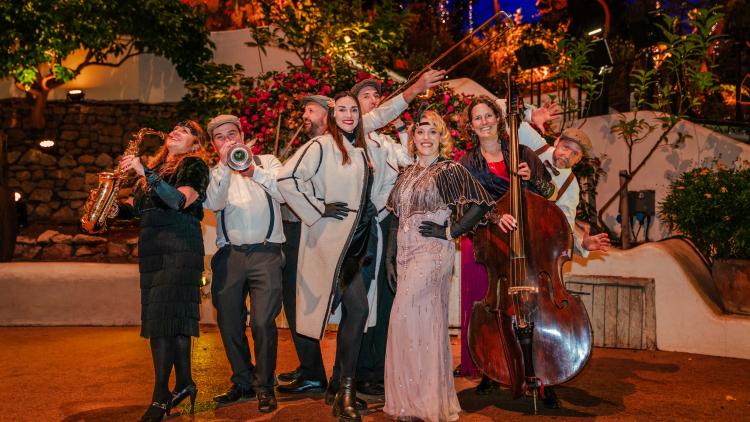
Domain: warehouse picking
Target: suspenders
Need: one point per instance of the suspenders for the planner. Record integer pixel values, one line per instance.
(256, 161)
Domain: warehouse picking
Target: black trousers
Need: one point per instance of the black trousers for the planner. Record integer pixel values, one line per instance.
(238, 272)
(354, 311)
(371, 362)
(308, 349)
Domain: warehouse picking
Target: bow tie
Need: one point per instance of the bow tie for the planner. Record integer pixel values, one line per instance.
(551, 168)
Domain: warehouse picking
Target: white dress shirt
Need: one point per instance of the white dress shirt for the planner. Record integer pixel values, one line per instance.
(244, 203)
(568, 202)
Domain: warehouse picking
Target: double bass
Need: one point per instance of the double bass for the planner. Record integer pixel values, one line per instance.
(528, 332)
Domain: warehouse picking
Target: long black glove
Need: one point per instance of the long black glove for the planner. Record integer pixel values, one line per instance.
(470, 219)
(391, 249)
(168, 193)
(337, 210)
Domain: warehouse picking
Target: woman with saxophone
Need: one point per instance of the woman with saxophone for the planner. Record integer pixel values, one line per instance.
(168, 198)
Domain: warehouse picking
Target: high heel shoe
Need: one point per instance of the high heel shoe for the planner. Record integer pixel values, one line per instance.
(178, 396)
(155, 412)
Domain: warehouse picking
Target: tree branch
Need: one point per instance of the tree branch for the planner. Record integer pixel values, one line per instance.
(31, 91)
(88, 61)
(651, 152)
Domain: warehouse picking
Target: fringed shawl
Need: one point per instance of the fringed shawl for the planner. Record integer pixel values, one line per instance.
(439, 186)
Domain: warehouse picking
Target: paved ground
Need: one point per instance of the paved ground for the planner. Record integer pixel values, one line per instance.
(104, 374)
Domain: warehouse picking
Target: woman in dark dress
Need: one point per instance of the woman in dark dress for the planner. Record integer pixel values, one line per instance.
(168, 198)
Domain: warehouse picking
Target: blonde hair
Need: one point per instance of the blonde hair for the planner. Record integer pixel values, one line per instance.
(446, 140)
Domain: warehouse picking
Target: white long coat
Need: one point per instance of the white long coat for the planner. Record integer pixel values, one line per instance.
(311, 178)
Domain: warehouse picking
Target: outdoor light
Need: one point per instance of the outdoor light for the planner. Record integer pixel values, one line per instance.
(75, 95)
(22, 217)
(594, 32)
(46, 143)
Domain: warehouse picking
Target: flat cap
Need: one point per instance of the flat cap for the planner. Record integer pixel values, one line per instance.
(579, 137)
(222, 120)
(320, 100)
(371, 82)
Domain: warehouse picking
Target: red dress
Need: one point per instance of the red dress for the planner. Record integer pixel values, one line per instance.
(474, 284)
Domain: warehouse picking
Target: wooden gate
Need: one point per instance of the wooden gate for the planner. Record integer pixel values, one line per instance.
(621, 309)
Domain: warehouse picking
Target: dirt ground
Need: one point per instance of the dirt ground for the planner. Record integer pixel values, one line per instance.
(105, 374)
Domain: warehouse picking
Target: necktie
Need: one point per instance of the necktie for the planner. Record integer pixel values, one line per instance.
(551, 168)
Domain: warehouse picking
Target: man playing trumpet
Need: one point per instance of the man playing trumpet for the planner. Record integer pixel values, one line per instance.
(249, 261)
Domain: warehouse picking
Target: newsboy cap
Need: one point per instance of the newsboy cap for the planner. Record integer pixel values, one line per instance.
(579, 137)
(221, 120)
(320, 100)
(371, 82)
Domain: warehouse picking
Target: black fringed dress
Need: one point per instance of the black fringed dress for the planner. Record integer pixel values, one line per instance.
(170, 249)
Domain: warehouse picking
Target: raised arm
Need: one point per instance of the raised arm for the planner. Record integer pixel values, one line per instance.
(295, 184)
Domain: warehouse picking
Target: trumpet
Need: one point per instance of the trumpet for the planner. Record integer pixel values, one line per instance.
(239, 157)
(415, 75)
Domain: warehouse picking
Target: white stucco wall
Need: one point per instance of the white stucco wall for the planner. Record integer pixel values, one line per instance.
(151, 79)
(688, 318)
(702, 147)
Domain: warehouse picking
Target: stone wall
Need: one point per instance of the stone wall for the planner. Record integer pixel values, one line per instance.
(52, 245)
(88, 136)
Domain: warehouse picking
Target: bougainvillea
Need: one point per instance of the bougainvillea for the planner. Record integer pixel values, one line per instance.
(270, 107)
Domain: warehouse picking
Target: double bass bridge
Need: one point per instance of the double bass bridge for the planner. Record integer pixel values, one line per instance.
(522, 291)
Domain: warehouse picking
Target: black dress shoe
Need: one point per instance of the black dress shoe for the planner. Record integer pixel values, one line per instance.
(301, 385)
(550, 400)
(290, 376)
(234, 394)
(370, 388)
(266, 401)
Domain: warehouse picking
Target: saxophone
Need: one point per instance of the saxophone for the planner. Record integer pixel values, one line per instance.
(99, 205)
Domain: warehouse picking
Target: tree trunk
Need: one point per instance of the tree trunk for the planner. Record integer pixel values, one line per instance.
(37, 112)
(624, 210)
(8, 221)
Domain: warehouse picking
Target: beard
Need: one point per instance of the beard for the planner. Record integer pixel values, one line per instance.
(562, 163)
(309, 128)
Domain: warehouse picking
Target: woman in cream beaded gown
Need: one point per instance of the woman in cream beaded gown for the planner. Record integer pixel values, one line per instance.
(418, 367)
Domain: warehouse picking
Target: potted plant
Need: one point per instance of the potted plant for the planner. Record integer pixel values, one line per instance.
(710, 206)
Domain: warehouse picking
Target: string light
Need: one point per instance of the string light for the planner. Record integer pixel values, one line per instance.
(443, 10)
(471, 17)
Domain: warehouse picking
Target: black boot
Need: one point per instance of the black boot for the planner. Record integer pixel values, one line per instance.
(345, 404)
(331, 396)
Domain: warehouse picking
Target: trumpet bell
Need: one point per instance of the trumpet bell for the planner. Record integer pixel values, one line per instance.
(239, 157)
